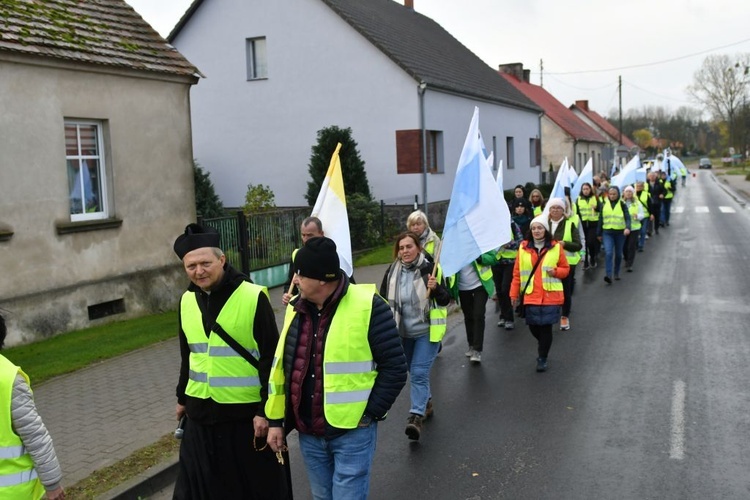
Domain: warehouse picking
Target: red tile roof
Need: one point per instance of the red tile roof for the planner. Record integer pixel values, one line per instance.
(102, 32)
(602, 123)
(556, 111)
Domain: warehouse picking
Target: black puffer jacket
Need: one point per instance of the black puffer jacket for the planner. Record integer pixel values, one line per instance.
(384, 344)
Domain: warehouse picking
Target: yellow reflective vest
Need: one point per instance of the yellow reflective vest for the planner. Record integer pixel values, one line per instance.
(573, 257)
(349, 371)
(635, 223)
(613, 218)
(644, 197)
(18, 478)
(587, 209)
(549, 261)
(216, 370)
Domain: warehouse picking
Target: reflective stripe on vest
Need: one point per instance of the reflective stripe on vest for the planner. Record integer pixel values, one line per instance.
(644, 202)
(613, 218)
(635, 224)
(438, 321)
(349, 371)
(18, 479)
(586, 209)
(216, 370)
(548, 262)
(573, 257)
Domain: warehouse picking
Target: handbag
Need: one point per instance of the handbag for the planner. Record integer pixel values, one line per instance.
(520, 309)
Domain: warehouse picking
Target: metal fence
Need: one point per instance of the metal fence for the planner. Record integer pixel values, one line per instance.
(259, 240)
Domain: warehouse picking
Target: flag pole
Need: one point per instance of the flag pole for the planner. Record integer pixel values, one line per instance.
(434, 267)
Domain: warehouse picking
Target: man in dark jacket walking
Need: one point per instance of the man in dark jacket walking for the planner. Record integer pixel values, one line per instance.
(338, 368)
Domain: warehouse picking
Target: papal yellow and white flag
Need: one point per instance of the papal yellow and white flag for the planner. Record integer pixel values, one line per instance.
(330, 208)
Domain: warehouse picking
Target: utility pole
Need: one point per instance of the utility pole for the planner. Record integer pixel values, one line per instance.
(619, 91)
(541, 72)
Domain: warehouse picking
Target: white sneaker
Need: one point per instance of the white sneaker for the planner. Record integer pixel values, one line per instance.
(476, 357)
(509, 325)
(469, 353)
(501, 323)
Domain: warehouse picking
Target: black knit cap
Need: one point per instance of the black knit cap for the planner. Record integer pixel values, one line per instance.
(195, 237)
(519, 202)
(318, 260)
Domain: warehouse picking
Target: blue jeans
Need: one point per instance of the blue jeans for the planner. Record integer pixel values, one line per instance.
(340, 468)
(614, 241)
(420, 354)
(642, 234)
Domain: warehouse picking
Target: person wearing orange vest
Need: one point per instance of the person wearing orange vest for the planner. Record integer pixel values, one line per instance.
(614, 227)
(228, 336)
(28, 463)
(338, 368)
(540, 291)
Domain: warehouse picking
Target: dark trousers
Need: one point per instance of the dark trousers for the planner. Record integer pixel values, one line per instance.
(543, 336)
(502, 275)
(655, 210)
(473, 305)
(219, 461)
(592, 243)
(631, 246)
(568, 284)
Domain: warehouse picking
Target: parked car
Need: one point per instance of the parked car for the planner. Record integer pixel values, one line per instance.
(704, 163)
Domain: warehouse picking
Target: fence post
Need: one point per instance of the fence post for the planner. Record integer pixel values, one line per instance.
(244, 242)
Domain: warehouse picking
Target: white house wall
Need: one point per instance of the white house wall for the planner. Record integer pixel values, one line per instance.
(321, 72)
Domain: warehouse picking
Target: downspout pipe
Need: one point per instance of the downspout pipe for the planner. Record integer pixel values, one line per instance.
(421, 88)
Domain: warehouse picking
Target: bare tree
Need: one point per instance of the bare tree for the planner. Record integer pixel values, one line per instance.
(721, 85)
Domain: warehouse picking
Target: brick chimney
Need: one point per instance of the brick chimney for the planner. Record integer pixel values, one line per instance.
(513, 69)
(409, 4)
(584, 105)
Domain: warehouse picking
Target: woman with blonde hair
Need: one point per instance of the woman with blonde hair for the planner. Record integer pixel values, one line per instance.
(536, 198)
(429, 241)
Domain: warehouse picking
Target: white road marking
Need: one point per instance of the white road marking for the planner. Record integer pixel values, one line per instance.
(727, 210)
(677, 210)
(684, 294)
(701, 210)
(677, 447)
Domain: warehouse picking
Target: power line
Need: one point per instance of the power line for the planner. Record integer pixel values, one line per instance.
(651, 63)
(581, 88)
(658, 95)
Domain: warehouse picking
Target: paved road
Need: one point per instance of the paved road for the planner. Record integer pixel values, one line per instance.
(600, 423)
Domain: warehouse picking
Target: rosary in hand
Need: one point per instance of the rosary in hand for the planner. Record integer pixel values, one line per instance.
(279, 455)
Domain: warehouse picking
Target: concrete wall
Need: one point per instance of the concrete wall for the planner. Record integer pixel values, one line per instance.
(321, 72)
(49, 278)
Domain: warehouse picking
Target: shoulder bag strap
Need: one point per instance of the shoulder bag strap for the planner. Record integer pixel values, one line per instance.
(235, 345)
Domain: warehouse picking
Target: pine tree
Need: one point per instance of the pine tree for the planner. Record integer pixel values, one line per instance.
(207, 202)
(352, 166)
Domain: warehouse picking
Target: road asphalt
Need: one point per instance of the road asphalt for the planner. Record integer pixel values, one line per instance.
(99, 415)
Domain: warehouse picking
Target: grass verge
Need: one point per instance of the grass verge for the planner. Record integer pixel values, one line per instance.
(75, 350)
(139, 461)
(379, 255)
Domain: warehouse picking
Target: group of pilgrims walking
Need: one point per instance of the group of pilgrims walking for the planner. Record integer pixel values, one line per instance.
(532, 277)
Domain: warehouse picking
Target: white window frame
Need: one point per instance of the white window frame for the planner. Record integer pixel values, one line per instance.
(102, 213)
(256, 58)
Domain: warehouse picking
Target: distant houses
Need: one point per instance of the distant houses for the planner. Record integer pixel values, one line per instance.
(277, 72)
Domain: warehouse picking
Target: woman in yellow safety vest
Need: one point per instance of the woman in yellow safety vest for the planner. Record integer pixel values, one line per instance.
(637, 219)
(565, 230)
(587, 207)
(536, 198)
(28, 463)
(614, 227)
(540, 291)
(418, 302)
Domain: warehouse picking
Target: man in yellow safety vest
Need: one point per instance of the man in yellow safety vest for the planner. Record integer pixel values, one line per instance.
(338, 368)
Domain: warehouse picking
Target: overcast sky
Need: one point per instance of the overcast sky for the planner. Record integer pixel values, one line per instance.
(655, 45)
